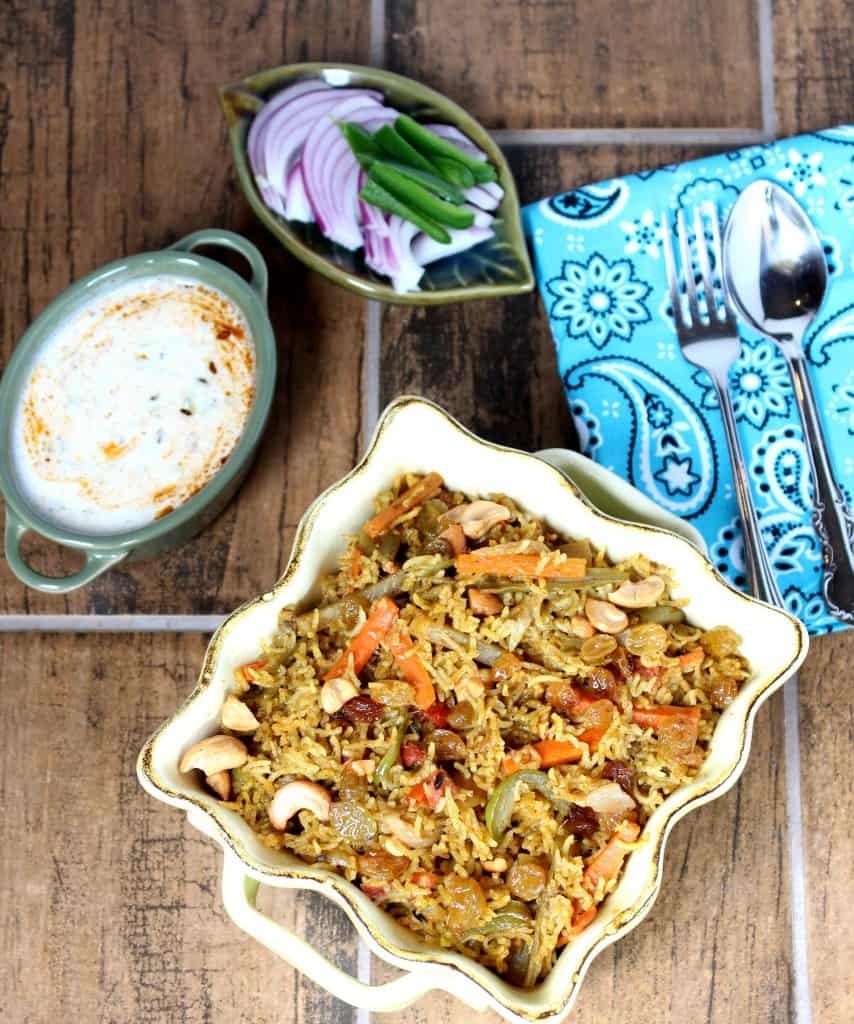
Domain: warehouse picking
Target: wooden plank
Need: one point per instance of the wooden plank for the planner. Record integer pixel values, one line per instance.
(492, 364)
(110, 907)
(813, 70)
(111, 142)
(827, 780)
(516, 64)
(716, 946)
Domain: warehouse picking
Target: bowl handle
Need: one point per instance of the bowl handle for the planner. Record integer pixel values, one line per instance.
(231, 240)
(96, 562)
(239, 891)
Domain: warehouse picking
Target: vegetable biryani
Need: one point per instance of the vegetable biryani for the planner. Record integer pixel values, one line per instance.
(475, 722)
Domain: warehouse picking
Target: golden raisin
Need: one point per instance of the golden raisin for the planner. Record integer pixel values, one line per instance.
(720, 641)
(465, 902)
(647, 639)
(526, 879)
(598, 648)
(722, 692)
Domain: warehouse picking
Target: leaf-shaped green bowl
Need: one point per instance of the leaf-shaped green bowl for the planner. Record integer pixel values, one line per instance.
(499, 266)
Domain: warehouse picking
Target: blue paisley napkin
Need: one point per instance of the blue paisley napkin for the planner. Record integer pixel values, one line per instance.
(647, 414)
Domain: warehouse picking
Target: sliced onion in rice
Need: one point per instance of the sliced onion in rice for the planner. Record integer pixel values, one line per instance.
(609, 799)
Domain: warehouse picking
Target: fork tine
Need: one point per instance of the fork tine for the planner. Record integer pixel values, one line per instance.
(670, 263)
(705, 265)
(688, 269)
(717, 252)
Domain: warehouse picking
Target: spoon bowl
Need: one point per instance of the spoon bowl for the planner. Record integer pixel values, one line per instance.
(774, 265)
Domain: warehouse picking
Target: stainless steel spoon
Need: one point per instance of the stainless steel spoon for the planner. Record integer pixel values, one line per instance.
(776, 274)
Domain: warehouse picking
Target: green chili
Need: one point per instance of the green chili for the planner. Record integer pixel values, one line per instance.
(454, 172)
(380, 197)
(499, 807)
(429, 144)
(392, 143)
(419, 198)
(512, 916)
(365, 150)
(391, 757)
(438, 186)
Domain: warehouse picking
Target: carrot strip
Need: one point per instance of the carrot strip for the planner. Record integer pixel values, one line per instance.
(554, 752)
(355, 563)
(655, 717)
(401, 646)
(592, 738)
(250, 665)
(533, 566)
(608, 861)
(691, 659)
(420, 492)
(509, 765)
(366, 641)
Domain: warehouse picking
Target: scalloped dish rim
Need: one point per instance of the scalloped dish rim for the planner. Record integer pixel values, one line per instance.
(635, 894)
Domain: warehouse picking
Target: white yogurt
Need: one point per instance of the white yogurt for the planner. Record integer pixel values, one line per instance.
(133, 404)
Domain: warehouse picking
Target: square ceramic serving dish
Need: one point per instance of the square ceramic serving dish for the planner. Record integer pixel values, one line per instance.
(418, 436)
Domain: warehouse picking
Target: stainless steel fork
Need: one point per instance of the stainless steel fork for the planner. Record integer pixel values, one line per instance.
(711, 342)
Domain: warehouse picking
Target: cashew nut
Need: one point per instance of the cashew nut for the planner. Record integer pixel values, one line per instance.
(364, 768)
(642, 594)
(298, 796)
(214, 754)
(604, 616)
(495, 867)
(237, 716)
(395, 847)
(581, 627)
(469, 688)
(220, 783)
(405, 832)
(335, 693)
(477, 518)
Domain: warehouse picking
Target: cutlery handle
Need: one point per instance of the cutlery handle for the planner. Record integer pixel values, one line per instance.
(760, 576)
(831, 518)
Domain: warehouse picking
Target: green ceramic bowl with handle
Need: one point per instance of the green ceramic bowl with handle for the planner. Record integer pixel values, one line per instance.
(104, 551)
(496, 267)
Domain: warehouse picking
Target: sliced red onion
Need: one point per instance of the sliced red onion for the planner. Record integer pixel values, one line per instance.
(331, 171)
(425, 250)
(289, 127)
(453, 135)
(255, 142)
(403, 268)
(297, 206)
(487, 197)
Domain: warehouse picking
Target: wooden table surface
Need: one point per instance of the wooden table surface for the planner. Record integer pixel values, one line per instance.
(111, 142)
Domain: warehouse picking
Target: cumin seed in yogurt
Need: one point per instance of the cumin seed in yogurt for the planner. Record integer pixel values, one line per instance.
(133, 404)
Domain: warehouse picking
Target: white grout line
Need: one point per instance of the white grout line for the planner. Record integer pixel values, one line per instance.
(371, 371)
(797, 868)
(110, 623)
(363, 973)
(626, 136)
(377, 47)
(765, 30)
